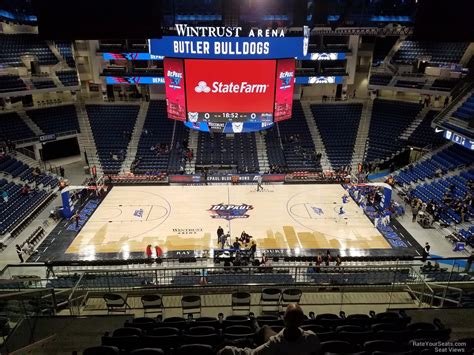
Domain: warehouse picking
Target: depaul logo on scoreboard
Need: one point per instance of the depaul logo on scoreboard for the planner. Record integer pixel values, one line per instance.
(285, 78)
(175, 78)
(228, 212)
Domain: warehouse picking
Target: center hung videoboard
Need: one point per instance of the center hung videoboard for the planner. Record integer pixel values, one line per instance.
(229, 96)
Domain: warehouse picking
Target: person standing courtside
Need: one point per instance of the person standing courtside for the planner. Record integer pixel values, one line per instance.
(259, 183)
(220, 232)
(19, 252)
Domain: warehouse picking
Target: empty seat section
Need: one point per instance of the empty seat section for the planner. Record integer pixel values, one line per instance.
(298, 146)
(55, 119)
(425, 135)
(217, 149)
(389, 120)
(68, 77)
(13, 128)
(155, 141)
(11, 83)
(338, 126)
(450, 158)
(437, 52)
(14, 46)
(112, 127)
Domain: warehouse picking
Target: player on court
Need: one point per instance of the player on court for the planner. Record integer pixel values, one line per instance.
(341, 214)
(259, 183)
(345, 199)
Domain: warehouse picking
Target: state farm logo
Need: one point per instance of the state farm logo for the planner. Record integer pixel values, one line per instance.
(202, 87)
(231, 88)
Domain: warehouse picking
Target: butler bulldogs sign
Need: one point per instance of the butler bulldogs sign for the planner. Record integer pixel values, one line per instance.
(230, 43)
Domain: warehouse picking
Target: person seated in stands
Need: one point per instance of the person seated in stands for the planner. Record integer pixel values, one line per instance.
(264, 260)
(447, 198)
(328, 258)
(290, 340)
(236, 244)
(310, 269)
(427, 267)
(237, 262)
(253, 248)
(25, 190)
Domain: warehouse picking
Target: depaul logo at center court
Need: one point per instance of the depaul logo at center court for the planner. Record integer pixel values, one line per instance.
(228, 212)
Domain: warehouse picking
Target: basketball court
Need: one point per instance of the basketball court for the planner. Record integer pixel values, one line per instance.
(179, 218)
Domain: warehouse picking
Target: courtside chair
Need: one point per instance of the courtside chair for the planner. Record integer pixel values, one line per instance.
(190, 305)
(116, 302)
(241, 302)
(270, 300)
(152, 304)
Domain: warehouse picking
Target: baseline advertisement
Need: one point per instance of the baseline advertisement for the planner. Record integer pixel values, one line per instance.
(219, 91)
(175, 88)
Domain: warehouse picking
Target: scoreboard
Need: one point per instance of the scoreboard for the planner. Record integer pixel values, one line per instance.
(228, 95)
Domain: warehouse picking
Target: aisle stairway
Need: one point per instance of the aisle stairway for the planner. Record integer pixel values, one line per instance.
(86, 139)
(136, 134)
(29, 122)
(192, 144)
(360, 145)
(262, 152)
(317, 140)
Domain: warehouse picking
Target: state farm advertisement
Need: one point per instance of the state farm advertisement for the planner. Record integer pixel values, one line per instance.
(175, 91)
(285, 83)
(230, 90)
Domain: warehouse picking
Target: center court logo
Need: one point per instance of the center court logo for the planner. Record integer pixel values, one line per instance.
(231, 88)
(228, 212)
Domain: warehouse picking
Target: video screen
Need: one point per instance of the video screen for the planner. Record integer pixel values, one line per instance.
(175, 91)
(229, 95)
(235, 90)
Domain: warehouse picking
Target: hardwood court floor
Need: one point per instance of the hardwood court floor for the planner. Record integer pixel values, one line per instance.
(294, 217)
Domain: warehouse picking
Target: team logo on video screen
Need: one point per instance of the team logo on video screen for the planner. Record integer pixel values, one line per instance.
(285, 79)
(193, 116)
(228, 212)
(175, 79)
